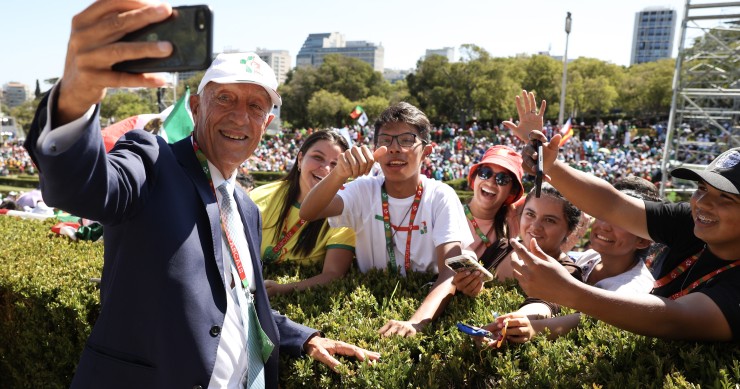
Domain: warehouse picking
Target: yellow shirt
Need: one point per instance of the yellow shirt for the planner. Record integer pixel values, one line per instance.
(269, 199)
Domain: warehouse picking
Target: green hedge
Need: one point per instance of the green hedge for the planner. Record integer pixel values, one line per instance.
(20, 181)
(48, 305)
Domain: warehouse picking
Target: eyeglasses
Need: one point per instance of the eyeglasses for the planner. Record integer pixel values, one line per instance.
(405, 140)
(501, 178)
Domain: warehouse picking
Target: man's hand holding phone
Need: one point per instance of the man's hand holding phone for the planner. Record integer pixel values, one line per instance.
(93, 49)
(465, 262)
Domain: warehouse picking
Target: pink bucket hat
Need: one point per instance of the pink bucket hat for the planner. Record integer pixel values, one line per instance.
(508, 159)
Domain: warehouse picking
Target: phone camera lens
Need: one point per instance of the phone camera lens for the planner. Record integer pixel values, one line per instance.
(200, 20)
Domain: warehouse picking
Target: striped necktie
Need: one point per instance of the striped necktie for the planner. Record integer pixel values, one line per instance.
(255, 366)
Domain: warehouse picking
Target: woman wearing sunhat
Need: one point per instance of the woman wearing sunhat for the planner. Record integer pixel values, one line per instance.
(496, 182)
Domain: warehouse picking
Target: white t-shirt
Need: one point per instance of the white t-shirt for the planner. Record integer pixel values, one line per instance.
(440, 219)
(635, 280)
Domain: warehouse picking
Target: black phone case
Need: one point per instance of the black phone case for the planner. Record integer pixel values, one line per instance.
(189, 29)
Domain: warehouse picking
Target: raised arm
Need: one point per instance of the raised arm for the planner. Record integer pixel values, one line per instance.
(322, 201)
(694, 316)
(591, 194)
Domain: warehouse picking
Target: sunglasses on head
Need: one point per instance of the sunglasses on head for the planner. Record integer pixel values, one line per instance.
(501, 178)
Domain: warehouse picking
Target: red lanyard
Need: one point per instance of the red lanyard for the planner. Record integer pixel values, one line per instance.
(387, 226)
(683, 266)
(272, 254)
(232, 247)
(478, 231)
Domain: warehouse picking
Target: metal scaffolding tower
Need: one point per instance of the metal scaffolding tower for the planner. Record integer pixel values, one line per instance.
(705, 107)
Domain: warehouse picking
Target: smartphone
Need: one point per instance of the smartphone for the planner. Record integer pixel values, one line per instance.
(465, 262)
(189, 29)
(474, 331)
(540, 166)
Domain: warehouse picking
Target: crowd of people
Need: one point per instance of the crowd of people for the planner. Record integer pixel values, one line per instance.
(201, 295)
(14, 159)
(453, 152)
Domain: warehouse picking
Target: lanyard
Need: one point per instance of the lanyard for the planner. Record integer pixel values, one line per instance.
(232, 247)
(387, 227)
(683, 266)
(478, 231)
(272, 254)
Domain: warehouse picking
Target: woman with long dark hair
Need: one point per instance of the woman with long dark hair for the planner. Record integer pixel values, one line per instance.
(286, 237)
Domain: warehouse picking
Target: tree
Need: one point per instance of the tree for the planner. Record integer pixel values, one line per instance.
(328, 109)
(37, 93)
(646, 88)
(300, 85)
(373, 107)
(543, 77)
(593, 86)
(349, 77)
(123, 104)
(24, 113)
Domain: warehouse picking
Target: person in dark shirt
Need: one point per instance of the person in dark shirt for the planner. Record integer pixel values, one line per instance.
(697, 292)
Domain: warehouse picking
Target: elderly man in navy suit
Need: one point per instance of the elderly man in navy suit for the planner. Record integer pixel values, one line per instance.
(182, 297)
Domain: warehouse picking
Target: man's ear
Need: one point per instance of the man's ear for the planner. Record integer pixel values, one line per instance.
(194, 104)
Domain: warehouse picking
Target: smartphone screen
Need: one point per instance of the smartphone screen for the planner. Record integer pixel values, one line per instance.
(189, 29)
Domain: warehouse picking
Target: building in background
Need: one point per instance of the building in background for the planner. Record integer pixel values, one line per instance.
(279, 61)
(652, 39)
(448, 52)
(317, 46)
(395, 75)
(16, 93)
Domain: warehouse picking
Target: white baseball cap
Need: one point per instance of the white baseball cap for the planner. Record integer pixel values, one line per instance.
(237, 68)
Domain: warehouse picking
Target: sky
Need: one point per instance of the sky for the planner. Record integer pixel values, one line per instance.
(34, 34)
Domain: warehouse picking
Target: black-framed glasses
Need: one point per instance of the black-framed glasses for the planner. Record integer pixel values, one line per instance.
(501, 178)
(405, 140)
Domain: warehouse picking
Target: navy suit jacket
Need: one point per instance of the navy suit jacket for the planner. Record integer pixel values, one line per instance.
(162, 291)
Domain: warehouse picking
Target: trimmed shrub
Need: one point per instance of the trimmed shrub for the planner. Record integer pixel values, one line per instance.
(47, 303)
(48, 306)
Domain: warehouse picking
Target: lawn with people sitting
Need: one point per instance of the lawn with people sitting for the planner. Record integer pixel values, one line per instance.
(48, 305)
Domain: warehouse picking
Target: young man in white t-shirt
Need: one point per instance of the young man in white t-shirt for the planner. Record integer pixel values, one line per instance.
(403, 221)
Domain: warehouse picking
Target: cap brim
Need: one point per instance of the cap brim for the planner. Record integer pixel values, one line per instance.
(274, 96)
(710, 178)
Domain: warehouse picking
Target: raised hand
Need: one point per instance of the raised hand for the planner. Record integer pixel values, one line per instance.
(529, 117)
(357, 161)
(94, 48)
(539, 275)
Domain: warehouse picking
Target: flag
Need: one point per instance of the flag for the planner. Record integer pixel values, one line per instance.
(344, 132)
(179, 123)
(112, 133)
(356, 113)
(363, 119)
(566, 132)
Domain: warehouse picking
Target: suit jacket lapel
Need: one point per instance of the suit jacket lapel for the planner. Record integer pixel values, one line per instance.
(184, 153)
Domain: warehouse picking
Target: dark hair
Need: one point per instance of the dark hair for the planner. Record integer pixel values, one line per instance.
(571, 213)
(405, 113)
(311, 231)
(642, 189)
(638, 187)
